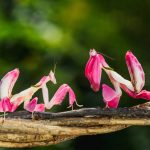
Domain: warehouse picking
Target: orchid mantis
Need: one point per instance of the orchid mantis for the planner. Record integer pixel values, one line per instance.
(111, 97)
(9, 102)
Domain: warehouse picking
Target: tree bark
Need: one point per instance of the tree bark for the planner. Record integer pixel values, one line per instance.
(21, 130)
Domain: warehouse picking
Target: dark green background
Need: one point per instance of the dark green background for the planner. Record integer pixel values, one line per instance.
(36, 34)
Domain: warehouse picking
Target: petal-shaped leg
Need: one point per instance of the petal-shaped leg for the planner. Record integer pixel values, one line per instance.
(72, 97)
(7, 106)
(30, 106)
(144, 94)
(14, 107)
(1, 107)
(136, 71)
(40, 108)
(59, 96)
(33, 106)
(111, 97)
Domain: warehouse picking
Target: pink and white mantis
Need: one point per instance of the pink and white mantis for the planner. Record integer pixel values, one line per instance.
(111, 97)
(10, 102)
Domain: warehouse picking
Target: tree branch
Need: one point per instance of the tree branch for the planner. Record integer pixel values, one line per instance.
(19, 130)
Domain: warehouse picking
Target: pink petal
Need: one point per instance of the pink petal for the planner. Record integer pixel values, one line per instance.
(96, 76)
(136, 71)
(7, 83)
(111, 97)
(144, 95)
(30, 106)
(89, 68)
(14, 107)
(1, 107)
(93, 71)
(40, 108)
(5, 105)
(72, 97)
(61, 93)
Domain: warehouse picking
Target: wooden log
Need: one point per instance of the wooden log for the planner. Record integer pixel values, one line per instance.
(21, 130)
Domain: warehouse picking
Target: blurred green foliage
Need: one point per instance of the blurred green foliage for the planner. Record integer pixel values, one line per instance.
(34, 35)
